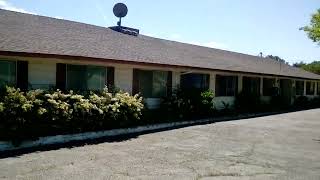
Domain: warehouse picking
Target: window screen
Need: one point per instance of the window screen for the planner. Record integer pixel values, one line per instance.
(80, 77)
(268, 86)
(151, 84)
(159, 83)
(226, 85)
(310, 88)
(251, 85)
(193, 80)
(7, 73)
(299, 88)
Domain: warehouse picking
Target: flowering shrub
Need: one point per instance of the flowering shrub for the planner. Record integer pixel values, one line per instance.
(37, 113)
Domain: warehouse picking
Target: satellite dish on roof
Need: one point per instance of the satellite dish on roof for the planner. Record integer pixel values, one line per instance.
(120, 10)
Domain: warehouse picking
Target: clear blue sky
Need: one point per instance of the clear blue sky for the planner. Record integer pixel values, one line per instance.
(247, 26)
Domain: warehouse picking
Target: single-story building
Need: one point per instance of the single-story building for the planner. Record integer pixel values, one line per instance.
(43, 52)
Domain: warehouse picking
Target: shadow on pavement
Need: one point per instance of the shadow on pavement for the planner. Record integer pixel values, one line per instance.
(120, 138)
(73, 144)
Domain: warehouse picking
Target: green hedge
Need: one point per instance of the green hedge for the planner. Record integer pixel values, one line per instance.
(28, 115)
(25, 115)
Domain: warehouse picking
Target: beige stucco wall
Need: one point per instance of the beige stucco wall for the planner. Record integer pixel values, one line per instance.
(224, 102)
(124, 72)
(265, 99)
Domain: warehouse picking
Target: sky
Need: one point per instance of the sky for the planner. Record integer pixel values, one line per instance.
(245, 26)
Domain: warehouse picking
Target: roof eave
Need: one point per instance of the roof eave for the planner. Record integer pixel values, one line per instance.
(117, 61)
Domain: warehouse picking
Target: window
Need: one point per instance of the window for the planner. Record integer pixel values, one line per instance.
(269, 86)
(7, 73)
(299, 88)
(195, 81)
(80, 77)
(310, 88)
(251, 85)
(41, 75)
(226, 85)
(151, 84)
(318, 88)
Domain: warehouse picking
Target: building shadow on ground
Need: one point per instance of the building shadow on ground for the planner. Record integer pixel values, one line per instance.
(127, 137)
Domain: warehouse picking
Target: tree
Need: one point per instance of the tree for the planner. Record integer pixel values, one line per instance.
(276, 58)
(299, 64)
(313, 30)
(312, 67)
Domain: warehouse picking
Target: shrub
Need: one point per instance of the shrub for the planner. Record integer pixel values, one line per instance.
(277, 101)
(301, 102)
(315, 102)
(247, 102)
(191, 103)
(36, 113)
(226, 109)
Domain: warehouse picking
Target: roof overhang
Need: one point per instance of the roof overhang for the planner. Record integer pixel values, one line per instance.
(82, 58)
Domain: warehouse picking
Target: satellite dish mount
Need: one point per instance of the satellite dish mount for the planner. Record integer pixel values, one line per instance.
(120, 10)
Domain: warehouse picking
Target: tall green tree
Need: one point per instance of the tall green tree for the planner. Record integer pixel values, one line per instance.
(313, 29)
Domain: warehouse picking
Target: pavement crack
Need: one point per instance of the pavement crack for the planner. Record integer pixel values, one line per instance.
(217, 174)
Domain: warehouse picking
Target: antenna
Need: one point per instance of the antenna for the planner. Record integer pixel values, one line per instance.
(120, 10)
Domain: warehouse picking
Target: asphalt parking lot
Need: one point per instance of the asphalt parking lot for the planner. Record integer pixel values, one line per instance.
(285, 146)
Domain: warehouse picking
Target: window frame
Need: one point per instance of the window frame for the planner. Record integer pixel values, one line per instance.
(15, 68)
(251, 81)
(308, 92)
(296, 88)
(204, 84)
(164, 87)
(268, 91)
(226, 89)
(67, 85)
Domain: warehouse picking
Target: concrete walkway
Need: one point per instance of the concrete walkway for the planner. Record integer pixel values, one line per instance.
(285, 146)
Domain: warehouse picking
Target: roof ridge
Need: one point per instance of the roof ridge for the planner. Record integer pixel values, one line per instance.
(170, 40)
(49, 35)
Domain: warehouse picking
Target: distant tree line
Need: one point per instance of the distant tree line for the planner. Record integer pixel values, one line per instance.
(277, 58)
(312, 67)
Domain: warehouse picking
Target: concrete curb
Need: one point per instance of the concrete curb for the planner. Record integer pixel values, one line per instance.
(60, 139)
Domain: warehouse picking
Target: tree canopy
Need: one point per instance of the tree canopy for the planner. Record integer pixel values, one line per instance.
(313, 29)
(312, 67)
(277, 58)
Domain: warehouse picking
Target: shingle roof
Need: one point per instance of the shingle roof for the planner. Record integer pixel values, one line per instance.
(37, 34)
